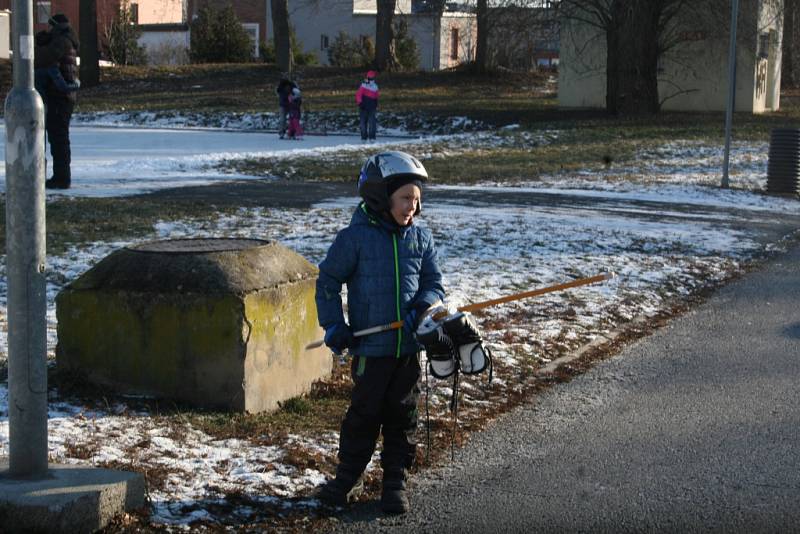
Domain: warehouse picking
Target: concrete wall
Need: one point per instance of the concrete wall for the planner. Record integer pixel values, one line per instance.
(166, 47)
(281, 322)
(581, 74)
(768, 67)
(5, 34)
(694, 74)
(426, 32)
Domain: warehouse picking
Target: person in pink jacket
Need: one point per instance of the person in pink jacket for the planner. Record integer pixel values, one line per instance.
(367, 100)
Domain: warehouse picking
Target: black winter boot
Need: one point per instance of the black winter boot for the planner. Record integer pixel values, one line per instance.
(394, 499)
(56, 183)
(343, 489)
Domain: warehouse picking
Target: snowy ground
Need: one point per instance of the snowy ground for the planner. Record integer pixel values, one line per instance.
(487, 249)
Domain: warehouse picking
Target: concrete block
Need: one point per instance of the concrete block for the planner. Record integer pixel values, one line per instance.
(216, 323)
(72, 499)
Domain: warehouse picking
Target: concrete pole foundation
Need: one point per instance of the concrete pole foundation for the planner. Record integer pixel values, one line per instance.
(71, 498)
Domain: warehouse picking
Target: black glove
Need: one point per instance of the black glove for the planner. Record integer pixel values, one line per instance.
(338, 337)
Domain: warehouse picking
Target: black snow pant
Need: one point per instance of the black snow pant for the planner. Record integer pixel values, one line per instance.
(282, 120)
(368, 123)
(57, 118)
(383, 400)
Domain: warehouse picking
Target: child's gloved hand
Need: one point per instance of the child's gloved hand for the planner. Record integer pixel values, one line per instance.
(338, 337)
(413, 317)
(410, 323)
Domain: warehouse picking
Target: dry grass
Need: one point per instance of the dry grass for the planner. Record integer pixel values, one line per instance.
(250, 88)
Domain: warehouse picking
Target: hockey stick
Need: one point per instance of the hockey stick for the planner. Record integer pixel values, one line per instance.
(485, 304)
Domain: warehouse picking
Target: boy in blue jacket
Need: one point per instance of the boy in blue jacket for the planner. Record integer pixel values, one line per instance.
(389, 267)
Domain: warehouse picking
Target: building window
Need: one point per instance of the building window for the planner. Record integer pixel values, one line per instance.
(252, 30)
(324, 42)
(454, 43)
(763, 45)
(134, 13)
(43, 12)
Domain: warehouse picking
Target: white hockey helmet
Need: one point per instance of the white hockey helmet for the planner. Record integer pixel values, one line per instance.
(385, 170)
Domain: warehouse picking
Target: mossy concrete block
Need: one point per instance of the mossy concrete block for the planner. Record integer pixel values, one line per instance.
(218, 323)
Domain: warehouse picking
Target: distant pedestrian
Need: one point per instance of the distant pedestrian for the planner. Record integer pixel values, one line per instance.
(284, 90)
(367, 100)
(56, 79)
(295, 129)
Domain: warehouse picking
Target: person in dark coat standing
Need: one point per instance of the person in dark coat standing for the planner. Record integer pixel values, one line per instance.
(389, 266)
(284, 91)
(57, 49)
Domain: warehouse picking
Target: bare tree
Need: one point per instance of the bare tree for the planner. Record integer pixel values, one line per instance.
(90, 55)
(481, 48)
(791, 42)
(517, 29)
(385, 57)
(638, 33)
(281, 35)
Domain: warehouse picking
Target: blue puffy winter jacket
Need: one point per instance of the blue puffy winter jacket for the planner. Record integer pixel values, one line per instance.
(388, 271)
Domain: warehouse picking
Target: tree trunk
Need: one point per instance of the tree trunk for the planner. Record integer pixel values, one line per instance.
(280, 31)
(632, 68)
(481, 54)
(90, 56)
(790, 42)
(385, 58)
(612, 69)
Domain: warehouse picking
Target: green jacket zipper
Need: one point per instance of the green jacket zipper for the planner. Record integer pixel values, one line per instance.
(397, 292)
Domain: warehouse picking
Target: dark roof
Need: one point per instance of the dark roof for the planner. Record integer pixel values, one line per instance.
(166, 27)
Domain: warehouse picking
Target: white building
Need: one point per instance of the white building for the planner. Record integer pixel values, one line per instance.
(443, 40)
(5, 34)
(693, 76)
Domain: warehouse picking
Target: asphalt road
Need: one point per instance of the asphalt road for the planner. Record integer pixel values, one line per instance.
(694, 428)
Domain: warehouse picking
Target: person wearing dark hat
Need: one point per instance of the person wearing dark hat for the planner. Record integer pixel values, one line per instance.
(390, 269)
(56, 77)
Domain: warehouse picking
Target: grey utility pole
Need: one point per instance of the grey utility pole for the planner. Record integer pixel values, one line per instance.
(25, 260)
(731, 93)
